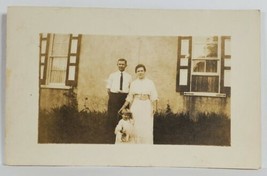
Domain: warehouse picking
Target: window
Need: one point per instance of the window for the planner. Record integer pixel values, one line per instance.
(59, 56)
(203, 66)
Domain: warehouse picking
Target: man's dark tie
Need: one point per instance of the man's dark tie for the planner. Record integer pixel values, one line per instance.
(121, 81)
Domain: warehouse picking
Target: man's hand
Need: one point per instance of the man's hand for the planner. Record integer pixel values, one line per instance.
(108, 91)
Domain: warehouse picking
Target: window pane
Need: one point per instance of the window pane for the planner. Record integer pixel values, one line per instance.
(60, 45)
(211, 50)
(71, 76)
(227, 62)
(199, 51)
(74, 45)
(184, 47)
(198, 66)
(227, 78)
(75, 35)
(59, 63)
(44, 35)
(183, 76)
(184, 62)
(43, 47)
(211, 66)
(73, 59)
(205, 83)
(58, 70)
(227, 47)
(204, 47)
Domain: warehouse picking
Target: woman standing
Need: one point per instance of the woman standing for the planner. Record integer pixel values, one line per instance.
(143, 99)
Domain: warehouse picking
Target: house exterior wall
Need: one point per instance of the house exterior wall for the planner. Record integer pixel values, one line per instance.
(197, 105)
(98, 58)
(52, 98)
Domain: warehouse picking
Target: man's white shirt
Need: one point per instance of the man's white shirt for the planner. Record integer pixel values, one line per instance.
(113, 82)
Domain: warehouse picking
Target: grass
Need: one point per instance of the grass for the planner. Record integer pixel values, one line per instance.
(210, 129)
(64, 125)
(67, 125)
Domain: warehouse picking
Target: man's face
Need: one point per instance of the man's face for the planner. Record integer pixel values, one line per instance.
(121, 65)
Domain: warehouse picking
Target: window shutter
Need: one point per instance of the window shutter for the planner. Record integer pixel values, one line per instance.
(43, 56)
(183, 73)
(226, 65)
(73, 60)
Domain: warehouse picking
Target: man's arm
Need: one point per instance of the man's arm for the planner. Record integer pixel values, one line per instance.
(108, 91)
(109, 82)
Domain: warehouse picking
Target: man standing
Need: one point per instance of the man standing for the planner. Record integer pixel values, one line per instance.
(117, 87)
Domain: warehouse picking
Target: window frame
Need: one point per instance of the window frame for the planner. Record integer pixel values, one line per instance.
(186, 90)
(47, 65)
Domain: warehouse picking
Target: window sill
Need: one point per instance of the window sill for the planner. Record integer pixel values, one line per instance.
(55, 87)
(205, 94)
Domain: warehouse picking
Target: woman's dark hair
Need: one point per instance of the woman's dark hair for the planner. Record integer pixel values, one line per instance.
(139, 66)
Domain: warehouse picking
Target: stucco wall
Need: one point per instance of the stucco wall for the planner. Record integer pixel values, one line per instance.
(98, 59)
(195, 105)
(52, 98)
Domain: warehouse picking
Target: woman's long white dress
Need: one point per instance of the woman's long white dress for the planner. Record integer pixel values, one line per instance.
(142, 109)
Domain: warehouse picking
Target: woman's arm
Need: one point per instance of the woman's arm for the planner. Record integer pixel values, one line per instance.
(155, 106)
(124, 106)
(154, 97)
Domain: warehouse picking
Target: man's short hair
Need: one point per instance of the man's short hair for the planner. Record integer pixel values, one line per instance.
(122, 59)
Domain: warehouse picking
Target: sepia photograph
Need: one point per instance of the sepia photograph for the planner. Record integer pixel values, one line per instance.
(135, 89)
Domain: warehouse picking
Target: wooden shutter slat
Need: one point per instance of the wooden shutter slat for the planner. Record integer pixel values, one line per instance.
(224, 89)
(47, 39)
(74, 82)
(183, 88)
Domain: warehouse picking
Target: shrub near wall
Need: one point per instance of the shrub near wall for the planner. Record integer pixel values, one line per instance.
(67, 125)
(210, 129)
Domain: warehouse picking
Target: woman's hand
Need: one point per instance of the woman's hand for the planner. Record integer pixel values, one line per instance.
(155, 105)
(121, 109)
(154, 110)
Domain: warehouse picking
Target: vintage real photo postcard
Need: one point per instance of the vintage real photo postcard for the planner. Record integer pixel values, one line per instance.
(131, 87)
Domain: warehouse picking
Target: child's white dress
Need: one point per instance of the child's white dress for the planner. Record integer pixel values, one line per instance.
(124, 132)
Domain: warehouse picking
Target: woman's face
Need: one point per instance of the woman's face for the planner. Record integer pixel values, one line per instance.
(140, 72)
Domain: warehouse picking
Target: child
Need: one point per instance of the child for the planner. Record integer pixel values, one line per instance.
(124, 129)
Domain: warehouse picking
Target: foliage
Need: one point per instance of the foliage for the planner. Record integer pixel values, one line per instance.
(67, 125)
(72, 97)
(210, 129)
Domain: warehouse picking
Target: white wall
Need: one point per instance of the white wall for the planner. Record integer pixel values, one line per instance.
(98, 59)
(99, 56)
